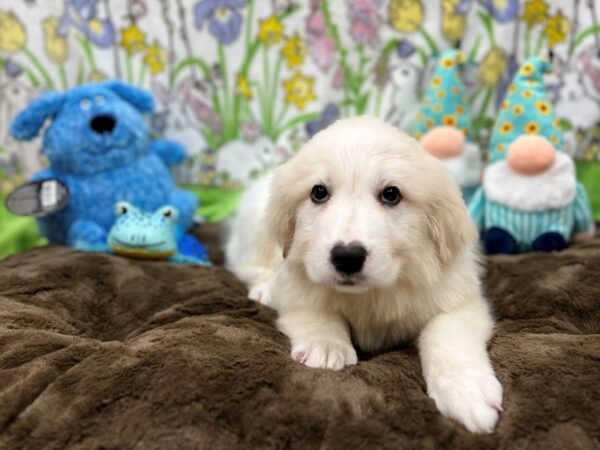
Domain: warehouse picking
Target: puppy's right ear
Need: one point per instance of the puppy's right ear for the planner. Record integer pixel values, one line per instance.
(28, 122)
(282, 207)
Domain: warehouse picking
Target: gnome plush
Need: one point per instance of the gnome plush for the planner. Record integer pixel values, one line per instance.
(530, 198)
(442, 123)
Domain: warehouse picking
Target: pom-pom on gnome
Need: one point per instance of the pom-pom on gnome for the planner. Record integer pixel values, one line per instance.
(442, 124)
(98, 146)
(530, 198)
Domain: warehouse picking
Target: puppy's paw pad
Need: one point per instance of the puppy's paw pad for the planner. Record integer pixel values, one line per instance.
(261, 293)
(325, 354)
(472, 397)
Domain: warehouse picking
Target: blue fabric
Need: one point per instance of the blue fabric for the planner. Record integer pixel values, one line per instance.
(102, 168)
(527, 226)
(497, 241)
(549, 242)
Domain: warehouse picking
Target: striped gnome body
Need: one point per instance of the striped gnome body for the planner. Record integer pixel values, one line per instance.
(530, 198)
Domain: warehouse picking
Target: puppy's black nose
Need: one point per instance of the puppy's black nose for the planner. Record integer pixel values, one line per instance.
(348, 259)
(103, 124)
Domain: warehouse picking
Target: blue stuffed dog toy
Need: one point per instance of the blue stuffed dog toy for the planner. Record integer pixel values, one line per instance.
(98, 146)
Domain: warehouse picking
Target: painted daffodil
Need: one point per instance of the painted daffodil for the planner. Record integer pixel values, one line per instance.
(536, 12)
(299, 90)
(270, 31)
(243, 87)
(132, 39)
(294, 50)
(557, 29)
(156, 58)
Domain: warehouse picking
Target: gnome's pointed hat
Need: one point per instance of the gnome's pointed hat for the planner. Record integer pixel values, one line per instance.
(526, 110)
(444, 102)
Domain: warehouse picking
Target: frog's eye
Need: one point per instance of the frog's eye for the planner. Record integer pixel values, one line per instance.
(169, 213)
(122, 208)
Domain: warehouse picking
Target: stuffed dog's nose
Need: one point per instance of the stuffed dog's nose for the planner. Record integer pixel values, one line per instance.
(103, 124)
(348, 259)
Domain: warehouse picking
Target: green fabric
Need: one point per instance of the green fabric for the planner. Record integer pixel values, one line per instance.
(525, 110)
(444, 102)
(588, 173)
(17, 234)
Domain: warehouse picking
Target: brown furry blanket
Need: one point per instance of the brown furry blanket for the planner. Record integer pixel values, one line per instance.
(98, 351)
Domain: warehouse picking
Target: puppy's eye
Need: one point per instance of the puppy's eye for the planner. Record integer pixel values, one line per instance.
(390, 196)
(85, 104)
(319, 194)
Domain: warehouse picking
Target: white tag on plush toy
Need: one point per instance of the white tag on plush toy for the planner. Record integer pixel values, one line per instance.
(48, 194)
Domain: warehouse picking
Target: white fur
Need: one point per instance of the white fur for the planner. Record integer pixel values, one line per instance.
(420, 281)
(555, 188)
(466, 167)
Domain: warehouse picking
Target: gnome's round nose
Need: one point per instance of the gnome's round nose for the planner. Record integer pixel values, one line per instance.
(530, 155)
(444, 142)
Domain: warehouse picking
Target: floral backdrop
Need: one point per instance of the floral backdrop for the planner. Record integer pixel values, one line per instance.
(242, 83)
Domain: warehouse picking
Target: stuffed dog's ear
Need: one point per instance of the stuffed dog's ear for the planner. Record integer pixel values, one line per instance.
(139, 98)
(28, 122)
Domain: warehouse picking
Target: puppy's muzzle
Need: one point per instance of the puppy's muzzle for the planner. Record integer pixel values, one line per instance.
(348, 259)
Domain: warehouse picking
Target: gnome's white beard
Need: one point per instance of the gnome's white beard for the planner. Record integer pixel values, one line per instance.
(553, 189)
(466, 168)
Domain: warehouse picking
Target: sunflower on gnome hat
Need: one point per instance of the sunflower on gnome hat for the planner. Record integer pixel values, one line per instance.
(530, 198)
(442, 123)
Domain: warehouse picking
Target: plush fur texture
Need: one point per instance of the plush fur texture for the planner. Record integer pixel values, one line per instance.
(552, 189)
(102, 168)
(420, 278)
(466, 167)
(98, 351)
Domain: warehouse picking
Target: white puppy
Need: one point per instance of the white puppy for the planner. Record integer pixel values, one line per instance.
(365, 239)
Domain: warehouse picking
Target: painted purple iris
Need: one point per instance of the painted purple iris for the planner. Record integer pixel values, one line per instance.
(503, 11)
(224, 21)
(82, 15)
(507, 76)
(463, 7)
(405, 49)
(330, 114)
(12, 68)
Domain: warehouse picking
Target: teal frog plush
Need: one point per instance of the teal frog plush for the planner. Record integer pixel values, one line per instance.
(145, 235)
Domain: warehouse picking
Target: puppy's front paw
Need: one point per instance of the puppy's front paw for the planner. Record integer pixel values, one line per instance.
(323, 354)
(471, 396)
(261, 293)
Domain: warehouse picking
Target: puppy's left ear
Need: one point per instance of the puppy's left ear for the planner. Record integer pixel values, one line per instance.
(450, 226)
(139, 98)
